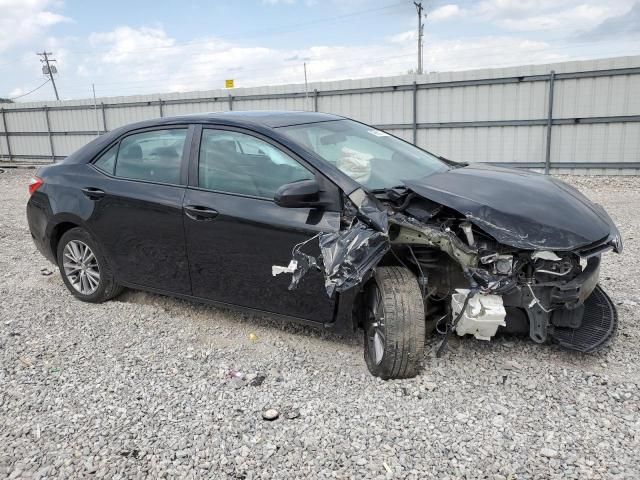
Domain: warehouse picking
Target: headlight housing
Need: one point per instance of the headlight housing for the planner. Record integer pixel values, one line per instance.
(617, 243)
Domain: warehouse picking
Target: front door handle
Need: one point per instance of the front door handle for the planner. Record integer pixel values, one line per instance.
(200, 213)
(93, 193)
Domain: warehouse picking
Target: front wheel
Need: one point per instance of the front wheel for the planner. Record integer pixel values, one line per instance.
(84, 268)
(394, 324)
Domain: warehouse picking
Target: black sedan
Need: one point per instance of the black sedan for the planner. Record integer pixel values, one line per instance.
(328, 221)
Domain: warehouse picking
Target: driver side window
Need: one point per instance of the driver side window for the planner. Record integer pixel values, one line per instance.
(233, 162)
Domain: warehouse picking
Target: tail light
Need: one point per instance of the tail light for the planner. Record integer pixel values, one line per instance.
(34, 184)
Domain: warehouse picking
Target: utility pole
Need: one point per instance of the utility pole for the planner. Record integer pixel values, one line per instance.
(306, 89)
(49, 69)
(420, 34)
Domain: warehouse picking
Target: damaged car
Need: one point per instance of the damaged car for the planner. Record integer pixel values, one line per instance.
(321, 219)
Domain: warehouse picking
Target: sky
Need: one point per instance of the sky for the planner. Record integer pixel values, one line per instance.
(143, 47)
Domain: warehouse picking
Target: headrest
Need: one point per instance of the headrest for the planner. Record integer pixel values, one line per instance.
(132, 152)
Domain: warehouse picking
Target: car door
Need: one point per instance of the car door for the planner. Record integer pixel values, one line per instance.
(138, 191)
(235, 232)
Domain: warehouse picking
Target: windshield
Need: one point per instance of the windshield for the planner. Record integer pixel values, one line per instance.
(372, 157)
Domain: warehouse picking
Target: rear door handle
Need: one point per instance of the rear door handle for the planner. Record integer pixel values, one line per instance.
(93, 193)
(200, 213)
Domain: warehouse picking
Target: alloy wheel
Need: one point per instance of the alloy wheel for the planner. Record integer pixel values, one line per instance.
(376, 333)
(81, 267)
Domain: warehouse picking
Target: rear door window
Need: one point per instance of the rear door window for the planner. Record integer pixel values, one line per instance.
(107, 161)
(155, 156)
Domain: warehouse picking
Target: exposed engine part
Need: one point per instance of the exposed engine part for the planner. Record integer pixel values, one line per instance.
(500, 264)
(468, 231)
(545, 255)
(412, 232)
(481, 317)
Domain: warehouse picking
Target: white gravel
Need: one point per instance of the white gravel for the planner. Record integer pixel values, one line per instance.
(152, 386)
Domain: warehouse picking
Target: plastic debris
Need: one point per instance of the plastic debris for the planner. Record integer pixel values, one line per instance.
(45, 271)
(253, 337)
(348, 255)
(235, 374)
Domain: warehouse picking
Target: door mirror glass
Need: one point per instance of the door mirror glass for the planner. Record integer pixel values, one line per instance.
(304, 193)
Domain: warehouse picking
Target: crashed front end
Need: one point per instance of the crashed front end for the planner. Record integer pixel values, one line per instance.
(548, 295)
(487, 256)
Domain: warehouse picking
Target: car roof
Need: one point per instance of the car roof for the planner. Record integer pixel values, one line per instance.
(263, 118)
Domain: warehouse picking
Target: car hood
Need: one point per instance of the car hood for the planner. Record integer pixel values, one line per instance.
(518, 208)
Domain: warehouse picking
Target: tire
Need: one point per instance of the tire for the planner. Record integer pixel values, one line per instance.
(399, 322)
(100, 288)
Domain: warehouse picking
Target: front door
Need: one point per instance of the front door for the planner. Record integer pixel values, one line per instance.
(235, 232)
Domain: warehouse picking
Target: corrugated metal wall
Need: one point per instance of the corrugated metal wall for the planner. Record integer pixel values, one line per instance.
(491, 115)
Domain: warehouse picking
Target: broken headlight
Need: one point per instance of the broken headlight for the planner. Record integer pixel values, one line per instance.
(617, 243)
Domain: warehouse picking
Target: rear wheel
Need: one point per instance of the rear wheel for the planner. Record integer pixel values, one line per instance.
(394, 324)
(84, 268)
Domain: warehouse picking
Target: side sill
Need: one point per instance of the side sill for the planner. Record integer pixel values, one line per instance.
(279, 316)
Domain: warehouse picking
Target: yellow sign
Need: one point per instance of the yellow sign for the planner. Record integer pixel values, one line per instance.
(228, 83)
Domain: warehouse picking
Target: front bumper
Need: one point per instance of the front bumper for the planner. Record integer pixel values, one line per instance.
(573, 293)
(577, 314)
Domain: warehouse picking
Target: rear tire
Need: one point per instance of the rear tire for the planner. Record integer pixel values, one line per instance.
(84, 267)
(394, 330)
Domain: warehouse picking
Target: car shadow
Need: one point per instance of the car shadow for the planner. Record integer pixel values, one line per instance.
(203, 312)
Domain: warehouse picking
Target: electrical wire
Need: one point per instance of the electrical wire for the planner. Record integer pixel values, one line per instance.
(31, 91)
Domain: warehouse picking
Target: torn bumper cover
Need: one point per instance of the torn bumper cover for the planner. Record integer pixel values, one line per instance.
(346, 256)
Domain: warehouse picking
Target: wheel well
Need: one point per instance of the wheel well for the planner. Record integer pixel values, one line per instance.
(57, 233)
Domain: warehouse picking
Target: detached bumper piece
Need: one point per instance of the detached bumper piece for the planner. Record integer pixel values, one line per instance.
(598, 326)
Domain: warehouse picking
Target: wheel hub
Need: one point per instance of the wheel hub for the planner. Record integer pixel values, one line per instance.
(376, 333)
(81, 267)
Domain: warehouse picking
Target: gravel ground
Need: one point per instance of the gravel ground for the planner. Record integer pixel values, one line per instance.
(136, 387)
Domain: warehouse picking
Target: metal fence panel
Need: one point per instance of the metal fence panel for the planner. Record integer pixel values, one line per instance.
(30, 145)
(66, 144)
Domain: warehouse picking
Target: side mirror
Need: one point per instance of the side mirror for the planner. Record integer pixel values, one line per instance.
(303, 193)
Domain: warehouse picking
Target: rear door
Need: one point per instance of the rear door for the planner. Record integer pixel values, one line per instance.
(235, 232)
(138, 207)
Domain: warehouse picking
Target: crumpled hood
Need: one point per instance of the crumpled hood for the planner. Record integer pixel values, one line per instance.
(518, 208)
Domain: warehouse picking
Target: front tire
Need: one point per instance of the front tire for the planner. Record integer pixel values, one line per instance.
(394, 324)
(84, 268)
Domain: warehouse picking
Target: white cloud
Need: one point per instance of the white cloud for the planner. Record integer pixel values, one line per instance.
(581, 16)
(403, 36)
(471, 53)
(125, 42)
(445, 12)
(536, 15)
(23, 20)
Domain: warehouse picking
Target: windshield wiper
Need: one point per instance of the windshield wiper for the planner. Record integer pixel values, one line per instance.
(386, 189)
(452, 163)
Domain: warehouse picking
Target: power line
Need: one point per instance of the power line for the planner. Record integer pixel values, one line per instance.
(49, 69)
(31, 91)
